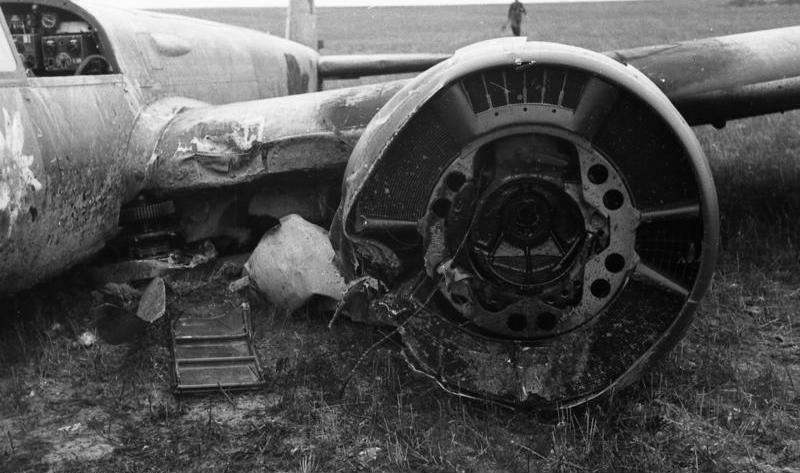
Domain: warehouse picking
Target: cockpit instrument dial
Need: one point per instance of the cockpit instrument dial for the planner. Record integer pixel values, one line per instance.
(49, 20)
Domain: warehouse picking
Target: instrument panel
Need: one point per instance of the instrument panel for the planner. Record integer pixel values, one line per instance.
(55, 42)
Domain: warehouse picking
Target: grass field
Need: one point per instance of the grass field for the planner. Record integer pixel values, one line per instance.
(726, 399)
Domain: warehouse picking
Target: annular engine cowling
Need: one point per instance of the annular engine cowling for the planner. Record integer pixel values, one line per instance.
(553, 216)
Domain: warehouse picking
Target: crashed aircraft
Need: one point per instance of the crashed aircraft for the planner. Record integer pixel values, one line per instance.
(538, 221)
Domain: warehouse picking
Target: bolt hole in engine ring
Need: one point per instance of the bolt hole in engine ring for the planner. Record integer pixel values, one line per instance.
(559, 320)
(526, 206)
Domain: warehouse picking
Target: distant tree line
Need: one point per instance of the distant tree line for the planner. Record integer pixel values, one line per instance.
(749, 3)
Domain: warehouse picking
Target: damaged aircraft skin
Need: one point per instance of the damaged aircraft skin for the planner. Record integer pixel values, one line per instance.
(538, 221)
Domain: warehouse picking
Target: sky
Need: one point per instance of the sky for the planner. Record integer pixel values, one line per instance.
(319, 3)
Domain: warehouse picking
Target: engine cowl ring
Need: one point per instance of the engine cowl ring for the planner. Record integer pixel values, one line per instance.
(569, 264)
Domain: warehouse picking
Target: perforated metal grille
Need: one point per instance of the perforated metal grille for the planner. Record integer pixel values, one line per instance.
(647, 152)
(403, 180)
(672, 247)
(641, 314)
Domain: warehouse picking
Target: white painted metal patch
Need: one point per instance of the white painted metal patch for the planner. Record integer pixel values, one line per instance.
(16, 177)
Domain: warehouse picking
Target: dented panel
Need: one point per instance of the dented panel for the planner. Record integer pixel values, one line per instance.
(238, 143)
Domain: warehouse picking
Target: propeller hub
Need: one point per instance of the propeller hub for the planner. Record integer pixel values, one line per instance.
(525, 234)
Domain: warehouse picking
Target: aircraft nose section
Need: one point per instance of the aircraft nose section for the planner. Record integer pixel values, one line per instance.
(53, 213)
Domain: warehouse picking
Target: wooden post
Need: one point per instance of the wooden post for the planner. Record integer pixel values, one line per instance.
(301, 22)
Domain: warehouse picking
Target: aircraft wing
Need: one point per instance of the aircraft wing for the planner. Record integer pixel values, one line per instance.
(349, 66)
(709, 81)
(717, 79)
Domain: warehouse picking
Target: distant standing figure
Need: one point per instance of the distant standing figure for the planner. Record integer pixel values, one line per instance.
(515, 12)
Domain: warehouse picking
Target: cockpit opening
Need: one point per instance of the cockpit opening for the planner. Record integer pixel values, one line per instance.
(56, 42)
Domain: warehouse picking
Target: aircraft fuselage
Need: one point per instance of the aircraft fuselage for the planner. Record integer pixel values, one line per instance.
(77, 146)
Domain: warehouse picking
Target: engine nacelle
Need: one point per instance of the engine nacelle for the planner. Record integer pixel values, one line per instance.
(546, 212)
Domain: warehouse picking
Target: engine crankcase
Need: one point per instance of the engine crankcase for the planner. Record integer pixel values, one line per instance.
(548, 214)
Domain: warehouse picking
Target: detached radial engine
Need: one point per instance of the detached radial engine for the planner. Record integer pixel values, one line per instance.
(547, 213)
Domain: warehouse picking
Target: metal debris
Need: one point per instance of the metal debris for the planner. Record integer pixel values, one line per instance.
(116, 320)
(153, 304)
(215, 353)
(144, 269)
(294, 262)
(239, 284)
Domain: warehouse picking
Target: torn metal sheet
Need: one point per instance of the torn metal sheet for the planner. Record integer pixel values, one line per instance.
(146, 269)
(294, 262)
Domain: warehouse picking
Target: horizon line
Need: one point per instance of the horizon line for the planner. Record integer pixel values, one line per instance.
(208, 4)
